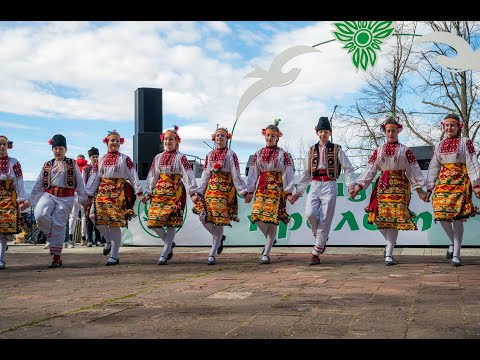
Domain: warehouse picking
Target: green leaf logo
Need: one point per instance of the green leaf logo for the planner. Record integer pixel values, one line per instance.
(362, 39)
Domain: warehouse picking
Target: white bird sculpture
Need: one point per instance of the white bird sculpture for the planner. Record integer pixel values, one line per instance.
(466, 58)
(274, 76)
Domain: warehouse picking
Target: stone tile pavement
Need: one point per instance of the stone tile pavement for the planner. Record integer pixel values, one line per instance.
(350, 295)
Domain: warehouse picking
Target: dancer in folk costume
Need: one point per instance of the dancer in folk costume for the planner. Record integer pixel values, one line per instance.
(452, 172)
(12, 196)
(54, 194)
(169, 174)
(110, 183)
(72, 221)
(390, 199)
(325, 162)
(271, 179)
(93, 155)
(220, 183)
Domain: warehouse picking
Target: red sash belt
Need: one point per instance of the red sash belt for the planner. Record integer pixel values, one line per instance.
(322, 178)
(60, 191)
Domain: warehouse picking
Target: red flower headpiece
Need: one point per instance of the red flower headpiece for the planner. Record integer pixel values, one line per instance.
(273, 128)
(50, 142)
(174, 132)
(460, 124)
(390, 116)
(399, 126)
(110, 133)
(453, 116)
(264, 132)
(225, 130)
(9, 143)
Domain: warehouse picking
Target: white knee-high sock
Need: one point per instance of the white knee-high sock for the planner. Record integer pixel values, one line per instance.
(160, 232)
(105, 231)
(209, 226)
(447, 227)
(217, 238)
(3, 248)
(392, 235)
(272, 234)
(457, 237)
(170, 236)
(116, 234)
(263, 228)
(385, 233)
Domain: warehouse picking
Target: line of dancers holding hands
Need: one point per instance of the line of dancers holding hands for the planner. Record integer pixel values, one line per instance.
(108, 193)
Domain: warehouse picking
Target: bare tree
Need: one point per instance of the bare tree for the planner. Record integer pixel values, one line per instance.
(446, 91)
(383, 94)
(416, 89)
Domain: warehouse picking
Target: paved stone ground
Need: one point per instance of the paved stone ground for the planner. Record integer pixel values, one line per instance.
(350, 295)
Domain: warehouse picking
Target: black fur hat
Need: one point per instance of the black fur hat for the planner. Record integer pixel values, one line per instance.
(93, 151)
(58, 140)
(323, 124)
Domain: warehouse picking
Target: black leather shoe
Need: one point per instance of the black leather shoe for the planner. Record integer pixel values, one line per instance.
(456, 261)
(55, 264)
(220, 248)
(170, 255)
(112, 261)
(449, 255)
(162, 261)
(107, 251)
(211, 262)
(266, 261)
(389, 262)
(2, 265)
(314, 260)
(89, 244)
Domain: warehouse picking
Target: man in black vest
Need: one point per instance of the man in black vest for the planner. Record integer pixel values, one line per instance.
(325, 161)
(54, 194)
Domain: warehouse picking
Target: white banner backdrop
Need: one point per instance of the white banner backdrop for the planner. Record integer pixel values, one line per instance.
(349, 226)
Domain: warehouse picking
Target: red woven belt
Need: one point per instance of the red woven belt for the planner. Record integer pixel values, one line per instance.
(60, 191)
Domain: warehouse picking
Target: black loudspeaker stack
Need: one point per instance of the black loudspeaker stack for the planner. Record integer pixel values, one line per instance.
(148, 128)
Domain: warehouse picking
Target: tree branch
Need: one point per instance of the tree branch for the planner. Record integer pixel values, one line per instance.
(438, 105)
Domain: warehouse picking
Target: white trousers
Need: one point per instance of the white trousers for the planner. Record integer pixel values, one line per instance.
(320, 207)
(72, 221)
(51, 214)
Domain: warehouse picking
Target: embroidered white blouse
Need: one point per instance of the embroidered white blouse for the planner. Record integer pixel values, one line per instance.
(393, 156)
(226, 160)
(10, 169)
(271, 159)
(454, 150)
(171, 163)
(113, 165)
